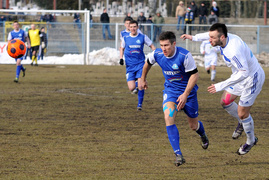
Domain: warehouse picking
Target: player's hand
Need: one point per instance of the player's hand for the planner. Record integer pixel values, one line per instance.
(186, 36)
(144, 85)
(211, 89)
(121, 62)
(182, 99)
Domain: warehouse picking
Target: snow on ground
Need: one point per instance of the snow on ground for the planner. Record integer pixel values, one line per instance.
(110, 56)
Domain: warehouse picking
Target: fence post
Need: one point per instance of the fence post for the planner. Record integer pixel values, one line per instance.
(258, 40)
(116, 36)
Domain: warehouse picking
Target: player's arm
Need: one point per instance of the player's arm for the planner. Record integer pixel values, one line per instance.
(240, 63)
(197, 37)
(149, 43)
(190, 68)
(121, 62)
(152, 47)
(150, 61)
(146, 68)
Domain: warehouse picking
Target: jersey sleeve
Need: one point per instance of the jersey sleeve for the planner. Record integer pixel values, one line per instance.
(9, 37)
(151, 58)
(148, 42)
(202, 47)
(189, 63)
(122, 43)
(201, 37)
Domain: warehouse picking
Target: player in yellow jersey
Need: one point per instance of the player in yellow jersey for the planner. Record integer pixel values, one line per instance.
(34, 36)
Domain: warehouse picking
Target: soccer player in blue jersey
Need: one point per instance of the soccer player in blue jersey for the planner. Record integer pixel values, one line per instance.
(20, 34)
(180, 88)
(132, 48)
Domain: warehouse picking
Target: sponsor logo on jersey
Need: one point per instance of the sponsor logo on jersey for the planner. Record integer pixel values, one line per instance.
(135, 52)
(175, 79)
(171, 72)
(175, 67)
(138, 41)
(134, 46)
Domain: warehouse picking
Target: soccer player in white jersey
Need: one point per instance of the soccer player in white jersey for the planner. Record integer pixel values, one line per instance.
(210, 57)
(246, 80)
(132, 47)
(181, 75)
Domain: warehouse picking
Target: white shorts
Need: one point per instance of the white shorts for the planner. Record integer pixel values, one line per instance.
(248, 89)
(210, 62)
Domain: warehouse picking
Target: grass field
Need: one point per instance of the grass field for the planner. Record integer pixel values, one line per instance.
(81, 122)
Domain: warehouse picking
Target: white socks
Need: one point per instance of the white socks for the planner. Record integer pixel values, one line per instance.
(248, 126)
(232, 110)
(213, 75)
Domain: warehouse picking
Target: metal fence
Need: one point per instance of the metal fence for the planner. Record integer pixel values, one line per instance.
(66, 38)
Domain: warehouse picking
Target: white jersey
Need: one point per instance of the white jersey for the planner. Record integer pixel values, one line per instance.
(238, 56)
(209, 51)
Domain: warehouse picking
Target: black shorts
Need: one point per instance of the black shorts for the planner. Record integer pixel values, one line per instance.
(35, 48)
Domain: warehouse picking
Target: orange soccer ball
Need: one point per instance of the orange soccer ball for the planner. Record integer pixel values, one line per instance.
(16, 48)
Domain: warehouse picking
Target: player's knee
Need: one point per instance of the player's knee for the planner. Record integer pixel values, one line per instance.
(193, 126)
(243, 115)
(226, 101)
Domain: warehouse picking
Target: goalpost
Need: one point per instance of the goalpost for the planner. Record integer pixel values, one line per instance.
(85, 12)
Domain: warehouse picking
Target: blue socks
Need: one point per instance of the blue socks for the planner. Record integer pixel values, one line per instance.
(18, 71)
(200, 130)
(173, 136)
(140, 96)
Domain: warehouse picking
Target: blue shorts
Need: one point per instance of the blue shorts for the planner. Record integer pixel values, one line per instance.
(21, 58)
(134, 73)
(191, 106)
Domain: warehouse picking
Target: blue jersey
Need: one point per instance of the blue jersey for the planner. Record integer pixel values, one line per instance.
(133, 49)
(127, 33)
(17, 35)
(175, 69)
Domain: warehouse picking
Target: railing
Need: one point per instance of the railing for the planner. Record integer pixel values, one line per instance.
(66, 38)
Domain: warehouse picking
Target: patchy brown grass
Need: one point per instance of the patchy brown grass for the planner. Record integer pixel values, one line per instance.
(80, 122)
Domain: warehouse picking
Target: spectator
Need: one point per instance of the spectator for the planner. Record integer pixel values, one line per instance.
(141, 19)
(149, 27)
(44, 43)
(91, 21)
(77, 20)
(128, 15)
(180, 14)
(2, 20)
(105, 20)
(158, 21)
(194, 9)
(212, 18)
(202, 12)
(188, 19)
(215, 8)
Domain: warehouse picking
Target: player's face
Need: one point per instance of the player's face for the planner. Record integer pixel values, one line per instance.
(167, 48)
(16, 26)
(216, 39)
(127, 25)
(133, 28)
(33, 27)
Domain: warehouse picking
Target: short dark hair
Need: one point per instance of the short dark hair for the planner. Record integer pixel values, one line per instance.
(221, 28)
(15, 21)
(134, 22)
(168, 35)
(128, 19)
